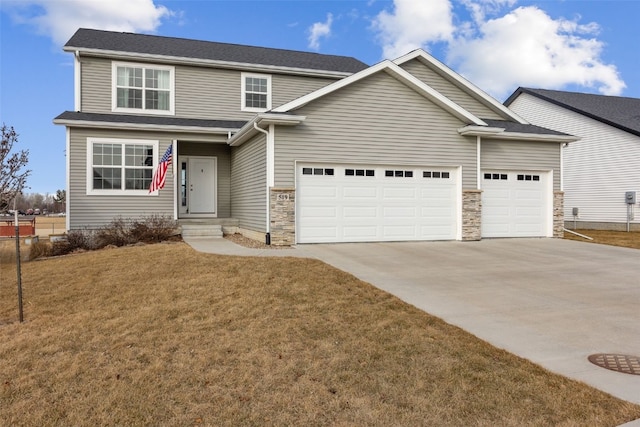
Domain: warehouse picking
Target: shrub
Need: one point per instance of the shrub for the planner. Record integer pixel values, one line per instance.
(39, 249)
(116, 233)
(152, 229)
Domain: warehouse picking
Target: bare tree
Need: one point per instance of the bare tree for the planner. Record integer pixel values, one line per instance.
(13, 172)
(61, 197)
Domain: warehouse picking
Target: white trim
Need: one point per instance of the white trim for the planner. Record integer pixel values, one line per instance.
(142, 126)
(500, 133)
(398, 73)
(243, 86)
(249, 130)
(478, 162)
(562, 167)
(68, 174)
(143, 110)
(178, 60)
(461, 82)
(89, 165)
(176, 183)
(77, 82)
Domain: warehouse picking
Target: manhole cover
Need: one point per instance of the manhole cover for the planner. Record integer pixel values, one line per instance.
(617, 362)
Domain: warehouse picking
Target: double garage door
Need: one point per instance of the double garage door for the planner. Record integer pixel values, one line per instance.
(356, 203)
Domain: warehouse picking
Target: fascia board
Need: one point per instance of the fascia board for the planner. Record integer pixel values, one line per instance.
(248, 130)
(501, 134)
(178, 60)
(143, 126)
(460, 81)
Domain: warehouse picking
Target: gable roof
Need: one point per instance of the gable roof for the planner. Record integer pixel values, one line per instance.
(620, 112)
(400, 74)
(462, 83)
(144, 45)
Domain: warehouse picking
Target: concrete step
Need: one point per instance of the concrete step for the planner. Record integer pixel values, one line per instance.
(201, 230)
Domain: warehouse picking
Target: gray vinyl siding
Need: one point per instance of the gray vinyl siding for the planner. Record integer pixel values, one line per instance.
(204, 93)
(378, 121)
(249, 184)
(95, 85)
(92, 211)
(598, 169)
(223, 174)
(519, 155)
(451, 91)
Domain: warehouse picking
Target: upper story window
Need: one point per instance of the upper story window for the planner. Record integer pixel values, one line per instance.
(256, 92)
(120, 166)
(143, 88)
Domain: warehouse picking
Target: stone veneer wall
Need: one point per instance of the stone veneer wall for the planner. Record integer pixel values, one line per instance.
(471, 215)
(282, 204)
(558, 214)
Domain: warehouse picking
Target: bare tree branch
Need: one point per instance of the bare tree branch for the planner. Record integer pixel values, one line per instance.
(13, 174)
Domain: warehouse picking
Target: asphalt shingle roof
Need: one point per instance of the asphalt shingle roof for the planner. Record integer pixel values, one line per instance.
(150, 120)
(521, 128)
(206, 50)
(620, 112)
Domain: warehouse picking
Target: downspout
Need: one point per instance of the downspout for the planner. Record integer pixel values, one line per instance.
(267, 237)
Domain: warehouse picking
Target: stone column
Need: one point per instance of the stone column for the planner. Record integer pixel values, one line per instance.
(282, 204)
(558, 214)
(471, 215)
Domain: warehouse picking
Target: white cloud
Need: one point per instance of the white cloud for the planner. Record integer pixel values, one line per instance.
(413, 24)
(498, 47)
(318, 30)
(526, 47)
(59, 19)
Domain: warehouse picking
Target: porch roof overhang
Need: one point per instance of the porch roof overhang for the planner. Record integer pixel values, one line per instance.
(261, 121)
(150, 123)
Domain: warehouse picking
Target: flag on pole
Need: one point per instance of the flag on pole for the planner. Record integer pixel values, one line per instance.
(157, 183)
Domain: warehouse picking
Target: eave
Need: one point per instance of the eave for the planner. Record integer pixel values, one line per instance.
(263, 120)
(178, 60)
(144, 126)
(502, 134)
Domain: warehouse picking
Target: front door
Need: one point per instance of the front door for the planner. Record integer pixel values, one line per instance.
(198, 195)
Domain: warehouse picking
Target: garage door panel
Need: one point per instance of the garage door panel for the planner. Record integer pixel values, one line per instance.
(515, 204)
(320, 212)
(376, 206)
(314, 191)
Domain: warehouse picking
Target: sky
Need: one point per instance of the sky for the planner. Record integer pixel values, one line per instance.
(586, 46)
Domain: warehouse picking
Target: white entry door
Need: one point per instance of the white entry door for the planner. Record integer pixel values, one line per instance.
(516, 204)
(371, 203)
(201, 184)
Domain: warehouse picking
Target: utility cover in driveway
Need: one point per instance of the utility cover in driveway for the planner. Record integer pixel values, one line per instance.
(617, 362)
(373, 203)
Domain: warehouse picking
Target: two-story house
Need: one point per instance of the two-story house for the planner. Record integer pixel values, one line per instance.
(297, 147)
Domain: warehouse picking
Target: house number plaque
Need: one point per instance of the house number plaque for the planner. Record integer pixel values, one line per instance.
(282, 197)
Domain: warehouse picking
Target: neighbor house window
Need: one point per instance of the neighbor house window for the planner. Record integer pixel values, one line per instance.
(146, 88)
(116, 166)
(256, 92)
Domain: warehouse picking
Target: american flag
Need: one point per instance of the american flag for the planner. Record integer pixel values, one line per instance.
(157, 183)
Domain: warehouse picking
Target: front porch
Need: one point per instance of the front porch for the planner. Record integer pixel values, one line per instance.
(207, 227)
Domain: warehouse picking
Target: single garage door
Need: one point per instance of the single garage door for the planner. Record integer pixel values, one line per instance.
(355, 203)
(515, 204)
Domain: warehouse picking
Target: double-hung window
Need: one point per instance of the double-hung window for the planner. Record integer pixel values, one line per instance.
(143, 88)
(117, 166)
(256, 92)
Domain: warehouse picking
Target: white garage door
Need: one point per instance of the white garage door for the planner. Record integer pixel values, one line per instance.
(515, 204)
(355, 203)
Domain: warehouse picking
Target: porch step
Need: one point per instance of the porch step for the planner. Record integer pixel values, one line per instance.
(201, 230)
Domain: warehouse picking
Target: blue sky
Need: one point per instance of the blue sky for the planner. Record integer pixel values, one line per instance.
(585, 46)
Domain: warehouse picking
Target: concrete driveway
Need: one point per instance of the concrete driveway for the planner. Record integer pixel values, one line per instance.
(554, 302)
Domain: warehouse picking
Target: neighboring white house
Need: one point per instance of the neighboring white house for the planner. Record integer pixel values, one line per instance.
(604, 165)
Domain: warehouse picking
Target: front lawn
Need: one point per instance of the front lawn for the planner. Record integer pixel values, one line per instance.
(163, 335)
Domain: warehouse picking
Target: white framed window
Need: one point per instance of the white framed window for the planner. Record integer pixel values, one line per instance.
(143, 88)
(256, 92)
(120, 166)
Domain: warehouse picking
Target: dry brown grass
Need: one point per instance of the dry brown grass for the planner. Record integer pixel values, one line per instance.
(163, 335)
(46, 225)
(605, 237)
